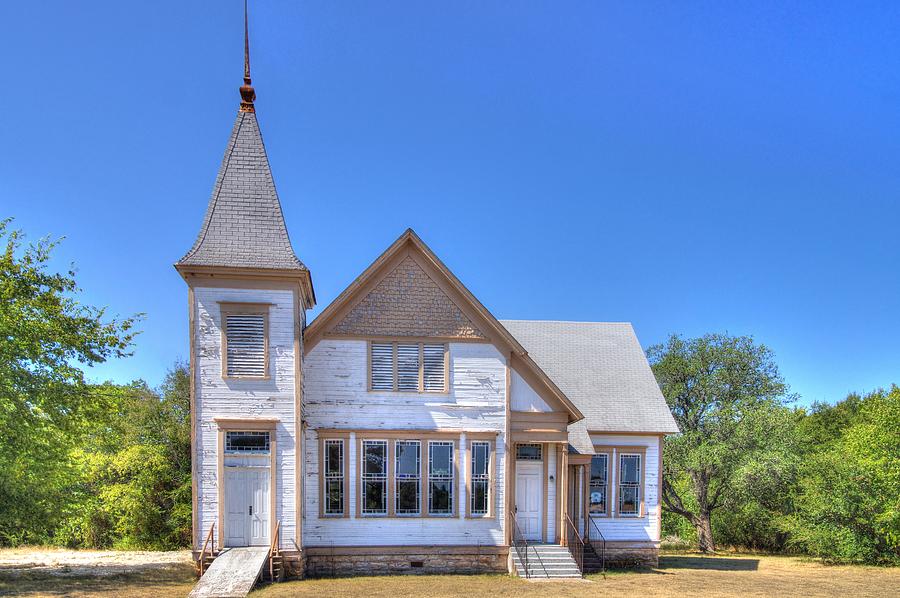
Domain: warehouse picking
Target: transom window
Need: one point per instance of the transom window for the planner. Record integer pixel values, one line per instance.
(244, 340)
(599, 484)
(374, 477)
(407, 477)
(252, 442)
(480, 480)
(528, 452)
(408, 367)
(334, 477)
(629, 485)
(440, 478)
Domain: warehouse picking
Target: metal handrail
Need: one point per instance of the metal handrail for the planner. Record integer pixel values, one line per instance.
(575, 543)
(518, 533)
(602, 542)
(210, 538)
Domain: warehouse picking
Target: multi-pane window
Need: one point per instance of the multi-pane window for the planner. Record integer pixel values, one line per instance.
(599, 484)
(244, 338)
(408, 367)
(334, 477)
(374, 477)
(247, 442)
(629, 482)
(440, 478)
(407, 477)
(528, 452)
(480, 478)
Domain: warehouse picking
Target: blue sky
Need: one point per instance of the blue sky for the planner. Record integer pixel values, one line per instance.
(687, 167)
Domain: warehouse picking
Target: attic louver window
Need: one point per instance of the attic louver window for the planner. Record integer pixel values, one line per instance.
(245, 341)
(408, 367)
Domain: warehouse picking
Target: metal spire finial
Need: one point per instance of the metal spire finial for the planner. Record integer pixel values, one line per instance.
(248, 94)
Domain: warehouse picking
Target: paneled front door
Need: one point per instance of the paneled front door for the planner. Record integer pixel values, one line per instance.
(530, 499)
(246, 506)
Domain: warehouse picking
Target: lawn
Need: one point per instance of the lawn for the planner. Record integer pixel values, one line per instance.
(678, 575)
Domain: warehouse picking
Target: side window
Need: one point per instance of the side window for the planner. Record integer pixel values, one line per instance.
(407, 477)
(374, 477)
(440, 478)
(408, 367)
(480, 478)
(599, 485)
(333, 474)
(629, 485)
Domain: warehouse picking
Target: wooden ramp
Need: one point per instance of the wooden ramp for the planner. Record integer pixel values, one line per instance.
(233, 573)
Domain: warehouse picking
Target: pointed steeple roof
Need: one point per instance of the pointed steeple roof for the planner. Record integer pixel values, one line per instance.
(244, 226)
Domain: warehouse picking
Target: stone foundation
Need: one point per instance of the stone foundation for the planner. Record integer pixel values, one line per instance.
(347, 561)
(630, 554)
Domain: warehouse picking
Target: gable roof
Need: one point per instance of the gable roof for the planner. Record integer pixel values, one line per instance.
(409, 243)
(602, 368)
(244, 226)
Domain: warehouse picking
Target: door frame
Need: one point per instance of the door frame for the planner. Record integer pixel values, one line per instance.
(241, 424)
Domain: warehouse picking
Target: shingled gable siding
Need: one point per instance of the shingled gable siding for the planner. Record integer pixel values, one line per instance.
(336, 396)
(216, 397)
(633, 528)
(407, 303)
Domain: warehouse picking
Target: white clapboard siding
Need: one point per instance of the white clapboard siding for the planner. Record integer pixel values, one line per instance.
(336, 396)
(634, 528)
(217, 397)
(523, 397)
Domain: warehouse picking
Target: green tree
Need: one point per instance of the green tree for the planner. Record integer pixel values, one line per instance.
(46, 337)
(728, 397)
(848, 500)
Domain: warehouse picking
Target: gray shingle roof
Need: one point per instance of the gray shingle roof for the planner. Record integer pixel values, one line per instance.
(602, 368)
(244, 226)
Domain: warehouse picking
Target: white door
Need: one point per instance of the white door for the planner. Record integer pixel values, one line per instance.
(246, 506)
(530, 499)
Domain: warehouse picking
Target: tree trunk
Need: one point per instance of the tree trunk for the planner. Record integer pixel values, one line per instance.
(704, 533)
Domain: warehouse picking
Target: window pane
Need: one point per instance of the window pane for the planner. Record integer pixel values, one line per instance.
(479, 497)
(374, 497)
(433, 367)
(441, 459)
(247, 442)
(629, 500)
(246, 344)
(598, 499)
(334, 463)
(480, 458)
(408, 367)
(374, 461)
(382, 366)
(441, 497)
(407, 497)
(334, 496)
(407, 458)
(528, 452)
(630, 469)
(599, 469)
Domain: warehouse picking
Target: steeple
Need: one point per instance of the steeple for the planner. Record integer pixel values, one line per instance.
(248, 94)
(244, 229)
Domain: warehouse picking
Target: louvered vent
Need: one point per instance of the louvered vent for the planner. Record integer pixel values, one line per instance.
(382, 361)
(246, 342)
(408, 367)
(433, 360)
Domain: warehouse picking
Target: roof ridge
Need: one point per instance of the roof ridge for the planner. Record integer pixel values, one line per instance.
(568, 321)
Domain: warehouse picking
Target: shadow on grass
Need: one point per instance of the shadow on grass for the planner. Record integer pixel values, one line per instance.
(708, 563)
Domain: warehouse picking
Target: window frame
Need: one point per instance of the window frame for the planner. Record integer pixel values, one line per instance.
(239, 453)
(227, 308)
(609, 457)
(345, 440)
(420, 385)
(489, 477)
(614, 475)
(639, 485)
(540, 447)
(386, 479)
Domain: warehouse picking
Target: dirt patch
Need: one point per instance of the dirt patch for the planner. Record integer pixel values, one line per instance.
(88, 563)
